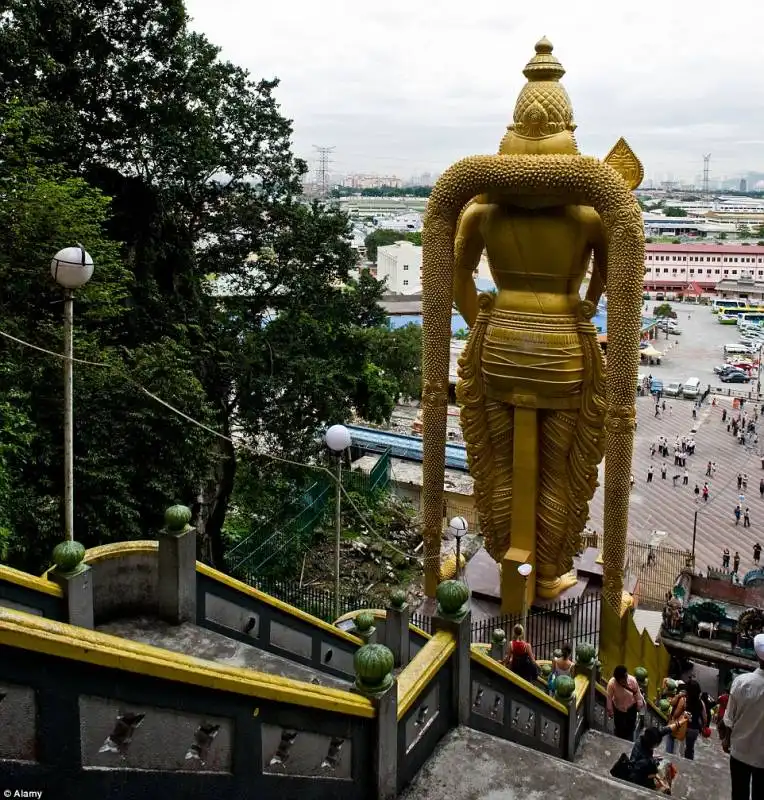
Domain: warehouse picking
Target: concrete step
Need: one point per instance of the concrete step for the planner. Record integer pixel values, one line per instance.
(471, 765)
(705, 777)
(193, 640)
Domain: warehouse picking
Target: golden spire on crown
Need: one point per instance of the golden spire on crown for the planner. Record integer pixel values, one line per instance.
(543, 108)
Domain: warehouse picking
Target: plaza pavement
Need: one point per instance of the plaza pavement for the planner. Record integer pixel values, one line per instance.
(662, 506)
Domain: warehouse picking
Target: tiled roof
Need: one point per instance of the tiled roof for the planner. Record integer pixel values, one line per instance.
(723, 249)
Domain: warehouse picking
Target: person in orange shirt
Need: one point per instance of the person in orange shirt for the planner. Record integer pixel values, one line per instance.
(624, 702)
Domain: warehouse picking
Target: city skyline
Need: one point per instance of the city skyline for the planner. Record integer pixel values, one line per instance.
(398, 89)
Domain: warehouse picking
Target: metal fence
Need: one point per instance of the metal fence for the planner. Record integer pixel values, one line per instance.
(274, 538)
(570, 622)
(311, 599)
(653, 569)
(280, 544)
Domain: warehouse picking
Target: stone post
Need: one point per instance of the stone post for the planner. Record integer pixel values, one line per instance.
(570, 742)
(76, 580)
(363, 627)
(397, 636)
(498, 644)
(590, 669)
(374, 678)
(453, 614)
(177, 567)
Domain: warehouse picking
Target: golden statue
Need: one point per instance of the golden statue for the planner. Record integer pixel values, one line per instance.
(532, 389)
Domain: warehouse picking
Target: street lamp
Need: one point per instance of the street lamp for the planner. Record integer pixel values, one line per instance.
(525, 570)
(71, 268)
(338, 440)
(458, 528)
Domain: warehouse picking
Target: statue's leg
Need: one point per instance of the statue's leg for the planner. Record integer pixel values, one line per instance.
(557, 434)
(500, 421)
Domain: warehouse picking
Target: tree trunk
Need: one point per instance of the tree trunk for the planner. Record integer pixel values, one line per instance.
(212, 505)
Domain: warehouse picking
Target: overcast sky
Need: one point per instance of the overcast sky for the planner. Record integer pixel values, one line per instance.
(408, 86)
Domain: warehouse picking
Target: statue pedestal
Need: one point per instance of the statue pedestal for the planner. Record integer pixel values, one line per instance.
(517, 593)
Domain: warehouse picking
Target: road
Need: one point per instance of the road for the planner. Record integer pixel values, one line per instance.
(662, 506)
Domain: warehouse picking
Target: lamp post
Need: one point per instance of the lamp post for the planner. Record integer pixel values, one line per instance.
(71, 268)
(338, 440)
(758, 376)
(694, 533)
(525, 570)
(458, 528)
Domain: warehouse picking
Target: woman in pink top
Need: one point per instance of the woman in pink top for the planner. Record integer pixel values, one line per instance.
(624, 701)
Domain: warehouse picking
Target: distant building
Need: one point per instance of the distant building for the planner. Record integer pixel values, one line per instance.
(743, 185)
(700, 267)
(401, 265)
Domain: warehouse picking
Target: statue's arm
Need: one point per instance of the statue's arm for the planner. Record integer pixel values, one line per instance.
(468, 248)
(598, 281)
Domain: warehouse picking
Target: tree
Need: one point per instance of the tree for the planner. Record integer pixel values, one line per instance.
(124, 429)
(383, 236)
(673, 211)
(197, 160)
(743, 231)
(722, 236)
(664, 311)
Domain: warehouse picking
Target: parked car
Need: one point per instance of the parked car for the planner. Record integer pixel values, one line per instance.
(673, 389)
(736, 376)
(691, 388)
(736, 349)
(656, 386)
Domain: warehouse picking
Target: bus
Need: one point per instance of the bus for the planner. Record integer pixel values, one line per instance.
(725, 305)
(750, 318)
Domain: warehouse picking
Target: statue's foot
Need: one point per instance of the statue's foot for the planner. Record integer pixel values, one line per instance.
(627, 602)
(548, 589)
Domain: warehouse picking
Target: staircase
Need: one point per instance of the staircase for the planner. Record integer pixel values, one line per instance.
(471, 765)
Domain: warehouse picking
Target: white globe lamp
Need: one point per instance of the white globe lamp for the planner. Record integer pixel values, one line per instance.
(525, 570)
(72, 267)
(337, 438)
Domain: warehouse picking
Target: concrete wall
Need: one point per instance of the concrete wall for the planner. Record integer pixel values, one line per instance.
(725, 592)
(125, 585)
(72, 729)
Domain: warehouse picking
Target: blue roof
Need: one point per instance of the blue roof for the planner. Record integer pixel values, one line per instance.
(408, 448)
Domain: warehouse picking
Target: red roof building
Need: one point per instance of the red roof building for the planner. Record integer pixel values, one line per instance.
(688, 268)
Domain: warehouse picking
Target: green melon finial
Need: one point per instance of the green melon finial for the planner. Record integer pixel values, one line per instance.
(453, 599)
(176, 520)
(498, 636)
(564, 687)
(398, 598)
(373, 669)
(68, 556)
(585, 654)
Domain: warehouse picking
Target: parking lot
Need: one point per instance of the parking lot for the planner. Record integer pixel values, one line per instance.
(664, 506)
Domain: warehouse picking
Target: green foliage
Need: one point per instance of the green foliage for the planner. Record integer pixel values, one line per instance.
(664, 310)
(722, 236)
(673, 211)
(125, 131)
(383, 236)
(382, 191)
(743, 231)
(462, 334)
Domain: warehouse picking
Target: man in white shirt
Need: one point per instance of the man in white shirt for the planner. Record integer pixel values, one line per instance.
(744, 723)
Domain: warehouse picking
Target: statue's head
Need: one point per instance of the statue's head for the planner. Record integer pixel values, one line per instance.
(543, 120)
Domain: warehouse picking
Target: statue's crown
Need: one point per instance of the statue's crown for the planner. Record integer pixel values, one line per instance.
(543, 107)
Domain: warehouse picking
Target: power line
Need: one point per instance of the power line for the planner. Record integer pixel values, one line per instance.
(322, 169)
(124, 374)
(706, 162)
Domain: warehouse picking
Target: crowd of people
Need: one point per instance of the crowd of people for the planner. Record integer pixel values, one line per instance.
(740, 725)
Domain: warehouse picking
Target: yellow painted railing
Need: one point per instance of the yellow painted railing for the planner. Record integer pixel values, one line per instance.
(262, 597)
(499, 669)
(421, 670)
(36, 634)
(115, 550)
(28, 581)
(379, 613)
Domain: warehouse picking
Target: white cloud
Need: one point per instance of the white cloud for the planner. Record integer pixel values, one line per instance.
(412, 85)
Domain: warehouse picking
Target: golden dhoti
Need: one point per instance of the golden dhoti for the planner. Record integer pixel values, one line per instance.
(533, 360)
